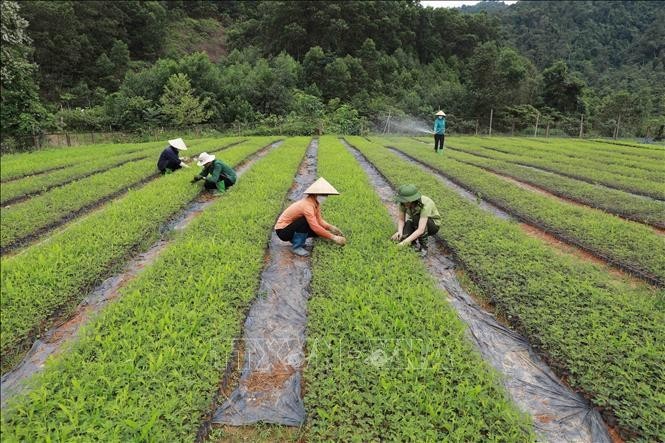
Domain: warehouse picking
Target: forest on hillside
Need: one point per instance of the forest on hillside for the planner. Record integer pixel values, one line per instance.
(299, 67)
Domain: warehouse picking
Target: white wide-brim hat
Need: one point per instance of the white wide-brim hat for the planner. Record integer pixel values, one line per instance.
(321, 187)
(204, 158)
(441, 113)
(179, 144)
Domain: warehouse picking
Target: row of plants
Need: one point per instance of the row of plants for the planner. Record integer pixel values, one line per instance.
(630, 245)
(387, 355)
(620, 146)
(594, 176)
(604, 335)
(642, 154)
(524, 149)
(570, 150)
(609, 148)
(592, 151)
(19, 165)
(623, 204)
(54, 275)
(148, 367)
(31, 185)
(27, 220)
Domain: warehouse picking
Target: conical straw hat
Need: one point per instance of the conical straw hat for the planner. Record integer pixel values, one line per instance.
(321, 187)
(204, 158)
(179, 144)
(441, 113)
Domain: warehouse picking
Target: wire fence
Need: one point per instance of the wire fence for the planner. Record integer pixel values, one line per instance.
(533, 125)
(503, 123)
(81, 138)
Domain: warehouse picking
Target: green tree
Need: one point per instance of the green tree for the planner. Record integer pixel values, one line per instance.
(345, 120)
(21, 112)
(497, 77)
(126, 113)
(563, 91)
(336, 79)
(180, 105)
(314, 66)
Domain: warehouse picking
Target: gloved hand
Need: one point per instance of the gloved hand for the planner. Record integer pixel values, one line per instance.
(339, 240)
(196, 178)
(397, 236)
(184, 165)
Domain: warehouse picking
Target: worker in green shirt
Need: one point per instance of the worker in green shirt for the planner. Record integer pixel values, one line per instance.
(218, 175)
(418, 218)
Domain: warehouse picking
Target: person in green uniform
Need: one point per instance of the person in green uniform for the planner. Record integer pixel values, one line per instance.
(418, 218)
(218, 175)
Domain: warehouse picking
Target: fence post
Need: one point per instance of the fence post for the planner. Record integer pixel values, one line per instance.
(477, 123)
(535, 132)
(491, 115)
(512, 129)
(547, 130)
(69, 143)
(581, 124)
(617, 131)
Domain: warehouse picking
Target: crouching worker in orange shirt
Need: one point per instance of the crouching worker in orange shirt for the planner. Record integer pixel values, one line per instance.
(303, 219)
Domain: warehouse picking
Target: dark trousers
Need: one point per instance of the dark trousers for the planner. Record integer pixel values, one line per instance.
(170, 167)
(438, 141)
(227, 184)
(410, 227)
(299, 225)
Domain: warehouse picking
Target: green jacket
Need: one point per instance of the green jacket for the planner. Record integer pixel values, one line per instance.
(218, 171)
(424, 208)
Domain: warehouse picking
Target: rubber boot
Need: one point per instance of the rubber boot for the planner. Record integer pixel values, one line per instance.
(298, 244)
(424, 244)
(221, 187)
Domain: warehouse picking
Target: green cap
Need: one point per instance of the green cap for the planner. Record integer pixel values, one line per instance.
(407, 193)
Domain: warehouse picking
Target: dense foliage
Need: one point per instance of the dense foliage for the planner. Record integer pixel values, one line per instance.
(305, 67)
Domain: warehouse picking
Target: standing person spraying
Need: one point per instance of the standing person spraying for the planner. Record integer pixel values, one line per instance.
(418, 218)
(439, 131)
(169, 160)
(218, 175)
(303, 219)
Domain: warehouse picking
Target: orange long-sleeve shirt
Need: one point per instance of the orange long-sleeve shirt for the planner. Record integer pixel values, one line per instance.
(309, 208)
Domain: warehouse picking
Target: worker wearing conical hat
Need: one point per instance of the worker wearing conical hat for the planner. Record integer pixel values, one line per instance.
(218, 175)
(303, 219)
(169, 159)
(418, 218)
(439, 131)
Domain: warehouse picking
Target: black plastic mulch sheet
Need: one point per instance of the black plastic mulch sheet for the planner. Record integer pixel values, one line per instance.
(274, 334)
(559, 414)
